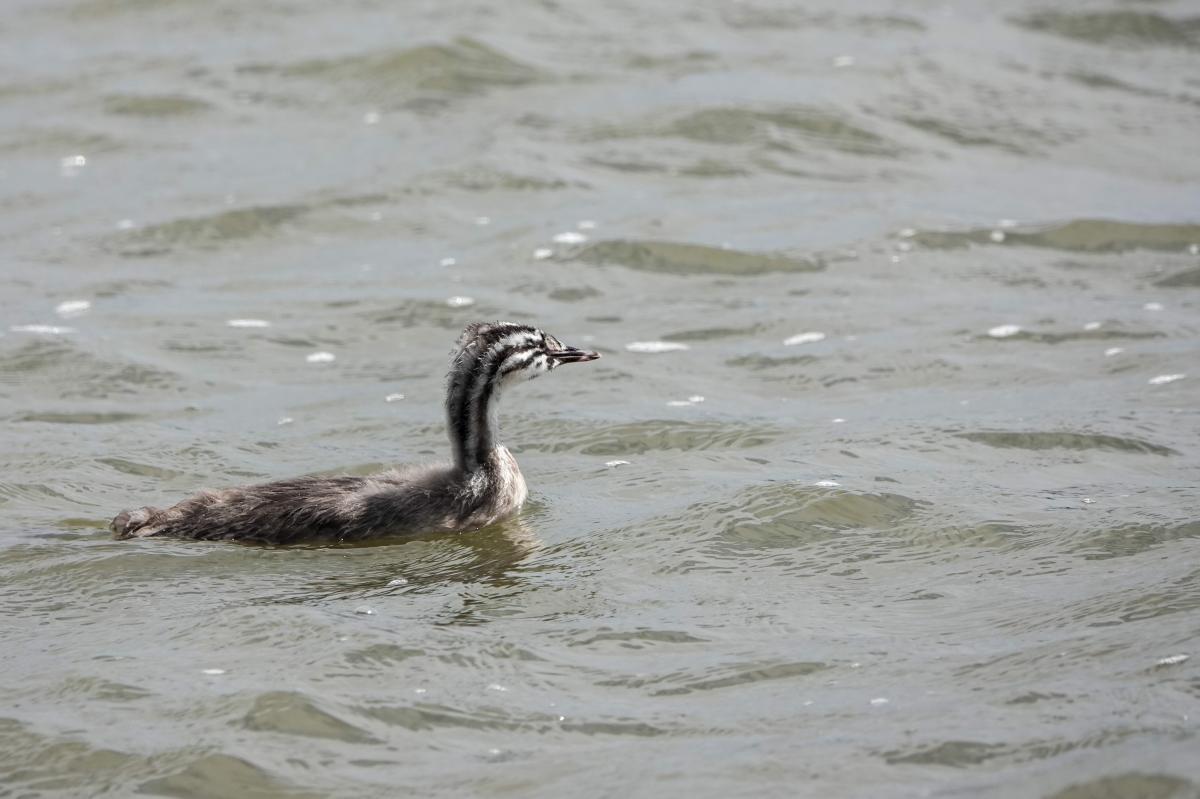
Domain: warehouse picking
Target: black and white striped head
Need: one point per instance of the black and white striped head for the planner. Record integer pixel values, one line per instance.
(495, 355)
(490, 357)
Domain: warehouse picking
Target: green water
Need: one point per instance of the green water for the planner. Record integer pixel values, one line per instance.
(945, 542)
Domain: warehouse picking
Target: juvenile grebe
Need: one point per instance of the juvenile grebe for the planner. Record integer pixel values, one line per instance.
(481, 486)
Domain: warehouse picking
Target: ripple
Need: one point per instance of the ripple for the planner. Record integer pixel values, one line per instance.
(690, 259)
(292, 713)
(956, 754)
(1189, 278)
(427, 716)
(1080, 235)
(1016, 333)
(46, 368)
(1116, 27)
(637, 639)
(1146, 786)
(764, 363)
(1133, 539)
(1065, 440)
(464, 66)
(77, 417)
(40, 764)
(56, 141)
(207, 231)
(717, 678)
(769, 520)
(790, 129)
(413, 313)
(976, 129)
(223, 775)
(640, 437)
(480, 177)
(154, 105)
(785, 515)
(377, 655)
(714, 333)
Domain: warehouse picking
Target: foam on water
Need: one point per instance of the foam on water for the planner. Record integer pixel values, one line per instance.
(687, 604)
(656, 346)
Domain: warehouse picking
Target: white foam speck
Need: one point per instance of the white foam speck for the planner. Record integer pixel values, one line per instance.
(803, 338)
(586, 224)
(1088, 501)
(1172, 660)
(483, 220)
(459, 302)
(843, 61)
(1007, 223)
(612, 464)
(284, 420)
(397, 581)
(1004, 331)
(679, 403)
(420, 690)
(1164, 379)
(695, 398)
(838, 420)
(1153, 306)
(363, 610)
(907, 232)
(1092, 326)
(393, 398)
(497, 687)
(655, 346)
(71, 164)
(542, 253)
(71, 308)
(904, 246)
(879, 700)
(248, 323)
(570, 237)
(1194, 249)
(1111, 351)
(997, 236)
(371, 118)
(447, 262)
(125, 224)
(320, 357)
(827, 483)
(895, 259)
(49, 330)
(213, 672)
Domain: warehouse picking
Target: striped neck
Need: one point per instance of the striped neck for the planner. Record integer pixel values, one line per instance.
(472, 397)
(471, 422)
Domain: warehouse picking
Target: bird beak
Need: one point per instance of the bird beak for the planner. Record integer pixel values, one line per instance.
(573, 355)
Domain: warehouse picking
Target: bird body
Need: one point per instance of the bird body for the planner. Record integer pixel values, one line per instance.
(482, 484)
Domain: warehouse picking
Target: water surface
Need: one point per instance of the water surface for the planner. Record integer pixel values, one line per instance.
(944, 541)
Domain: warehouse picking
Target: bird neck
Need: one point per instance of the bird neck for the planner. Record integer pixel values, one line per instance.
(471, 405)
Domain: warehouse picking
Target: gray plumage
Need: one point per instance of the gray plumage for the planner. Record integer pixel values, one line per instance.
(482, 484)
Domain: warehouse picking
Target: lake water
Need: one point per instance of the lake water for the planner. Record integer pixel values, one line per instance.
(887, 484)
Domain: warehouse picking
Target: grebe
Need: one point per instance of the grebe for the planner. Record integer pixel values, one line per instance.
(482, 485)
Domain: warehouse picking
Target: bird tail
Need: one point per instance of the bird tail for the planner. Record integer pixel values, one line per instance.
(127, 523)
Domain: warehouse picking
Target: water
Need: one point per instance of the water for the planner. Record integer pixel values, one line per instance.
(944, 541)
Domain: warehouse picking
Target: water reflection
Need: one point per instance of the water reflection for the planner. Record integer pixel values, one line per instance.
(491, 558)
